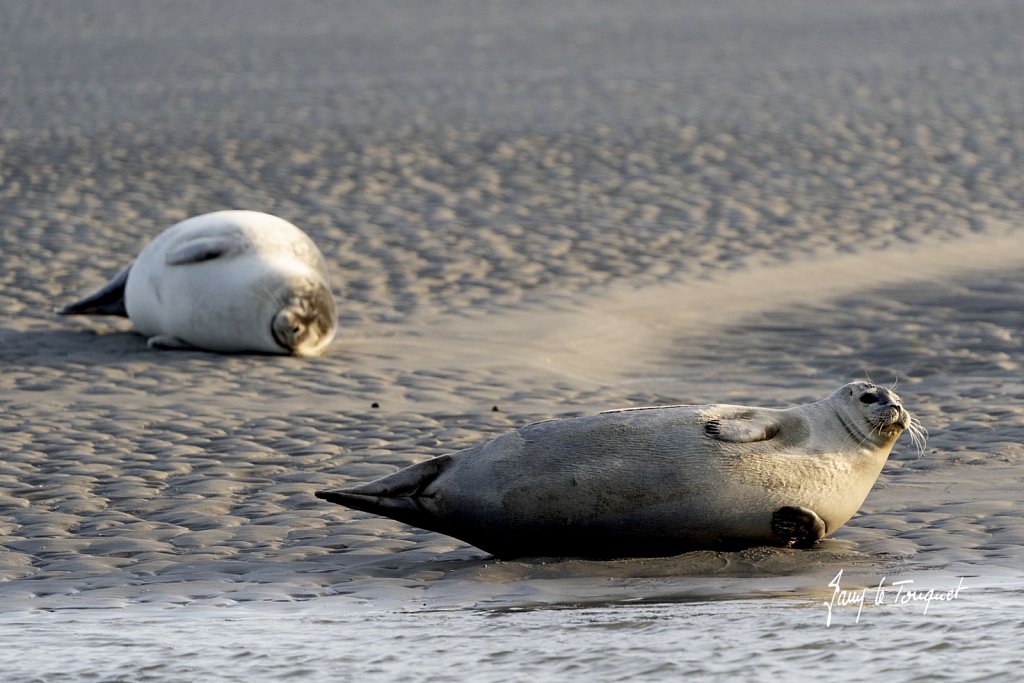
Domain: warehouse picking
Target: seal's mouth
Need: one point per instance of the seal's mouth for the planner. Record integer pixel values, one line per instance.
(891, 419)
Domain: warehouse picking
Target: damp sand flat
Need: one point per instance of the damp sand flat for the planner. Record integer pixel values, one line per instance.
(544, 209)
(116, 493)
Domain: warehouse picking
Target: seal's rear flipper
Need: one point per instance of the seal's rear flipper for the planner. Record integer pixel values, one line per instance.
(107, 300)
(797, 527)
(398, 496)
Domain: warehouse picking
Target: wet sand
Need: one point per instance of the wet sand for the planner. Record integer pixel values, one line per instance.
(550, 210)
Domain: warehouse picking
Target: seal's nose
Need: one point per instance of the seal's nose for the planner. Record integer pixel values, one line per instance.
(890, 402)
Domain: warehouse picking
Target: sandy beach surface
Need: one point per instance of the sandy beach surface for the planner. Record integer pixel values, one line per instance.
(529, 210)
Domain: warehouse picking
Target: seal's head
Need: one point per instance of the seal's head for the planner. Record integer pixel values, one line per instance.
(882, 415)
(307, 322)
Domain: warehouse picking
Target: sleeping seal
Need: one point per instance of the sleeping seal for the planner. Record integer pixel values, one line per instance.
(229, 281)
(654, 481)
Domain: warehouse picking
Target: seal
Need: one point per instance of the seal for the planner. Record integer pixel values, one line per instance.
(228, 281)
(654, 481)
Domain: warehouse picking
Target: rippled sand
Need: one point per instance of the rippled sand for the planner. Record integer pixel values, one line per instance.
(529, 211)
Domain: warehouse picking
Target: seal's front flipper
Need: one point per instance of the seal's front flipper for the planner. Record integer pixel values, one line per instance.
(398, 496)
(107, 300)
(165, 342)
(743, 427)
(202, 249)
(797, 527)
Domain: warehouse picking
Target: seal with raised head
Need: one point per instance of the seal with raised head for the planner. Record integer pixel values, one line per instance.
(228, 281)
(654, 481)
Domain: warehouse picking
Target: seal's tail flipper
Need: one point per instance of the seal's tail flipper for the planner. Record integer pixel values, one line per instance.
(107, 300)
(396, 496)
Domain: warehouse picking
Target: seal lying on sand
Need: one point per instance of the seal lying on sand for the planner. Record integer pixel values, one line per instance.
(227, 281)
(654, 481)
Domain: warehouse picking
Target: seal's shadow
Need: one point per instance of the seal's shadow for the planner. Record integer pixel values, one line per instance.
(58, 348)
(110, 347)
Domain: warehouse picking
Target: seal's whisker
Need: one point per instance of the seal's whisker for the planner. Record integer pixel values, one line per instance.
(918, 435)
(864, 441)
(877, 429)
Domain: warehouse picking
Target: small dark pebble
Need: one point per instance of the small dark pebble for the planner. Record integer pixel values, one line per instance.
(375, 405)
(494, 409)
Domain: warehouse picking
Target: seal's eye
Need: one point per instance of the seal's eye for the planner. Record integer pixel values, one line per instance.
(868, 398)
